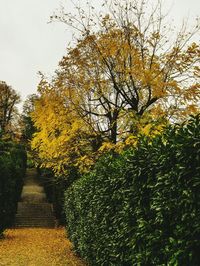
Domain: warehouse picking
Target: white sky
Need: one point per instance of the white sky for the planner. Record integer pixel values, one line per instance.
(29, 44)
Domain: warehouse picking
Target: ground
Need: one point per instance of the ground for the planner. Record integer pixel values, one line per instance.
(37, 247)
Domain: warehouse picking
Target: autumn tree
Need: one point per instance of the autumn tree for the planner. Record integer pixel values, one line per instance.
(62, 139)
(124, 65)
(28, 128)
(8, 100)
(127, 71)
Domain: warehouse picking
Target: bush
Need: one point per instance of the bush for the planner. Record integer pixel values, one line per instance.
(141, 207)
(12, 171)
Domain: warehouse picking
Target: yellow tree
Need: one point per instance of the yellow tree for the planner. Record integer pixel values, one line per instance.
(61, 138)
(126, 71)
(124, 66)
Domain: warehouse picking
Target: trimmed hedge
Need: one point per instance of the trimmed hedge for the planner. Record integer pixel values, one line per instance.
(141, 207)
(12, 171)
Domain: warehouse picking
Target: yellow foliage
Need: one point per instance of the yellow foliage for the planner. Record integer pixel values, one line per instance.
(106, 146)
(119, 82)
(85, 162)
(131, 141)
(146, 129)
(37, 247)
(58, 139)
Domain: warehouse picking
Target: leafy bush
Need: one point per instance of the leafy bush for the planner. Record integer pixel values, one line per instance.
(141, 207)
(12, 171)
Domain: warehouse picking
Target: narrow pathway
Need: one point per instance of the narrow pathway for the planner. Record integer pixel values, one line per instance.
(33, 209)
(34, 241)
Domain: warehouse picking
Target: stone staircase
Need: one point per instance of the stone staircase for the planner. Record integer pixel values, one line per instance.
(33, 209)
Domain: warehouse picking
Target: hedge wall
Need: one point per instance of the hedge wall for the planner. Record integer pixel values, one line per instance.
(12, 171)
(141, 207)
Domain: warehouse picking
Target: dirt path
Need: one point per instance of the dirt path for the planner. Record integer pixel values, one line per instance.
(37, 247)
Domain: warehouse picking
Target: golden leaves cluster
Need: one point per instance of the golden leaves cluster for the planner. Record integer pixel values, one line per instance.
(37, 246)
(58, 141)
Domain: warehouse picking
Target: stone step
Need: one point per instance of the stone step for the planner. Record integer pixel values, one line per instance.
(33, 210)
(40, 216)
(34, 225)
(49, 225)
(31, 188)
(34, 215)
(43, 219)
(34, 207)
(34, 196)
(36, 221)
(39, 210)
(19, 220)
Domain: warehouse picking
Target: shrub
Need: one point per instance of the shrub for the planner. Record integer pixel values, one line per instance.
(141, 207)
(12, 171)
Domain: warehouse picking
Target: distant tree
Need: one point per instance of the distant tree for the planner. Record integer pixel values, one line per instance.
(28, 128)
(9, 98)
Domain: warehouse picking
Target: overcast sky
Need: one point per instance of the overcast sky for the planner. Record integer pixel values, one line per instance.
(29, 44)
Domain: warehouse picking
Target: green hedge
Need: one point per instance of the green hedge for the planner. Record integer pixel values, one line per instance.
(141, 207)
(12, 171)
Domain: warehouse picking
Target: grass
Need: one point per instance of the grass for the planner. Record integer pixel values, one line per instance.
(37, 247)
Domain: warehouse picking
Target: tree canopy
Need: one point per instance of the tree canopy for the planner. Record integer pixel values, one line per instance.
(8, 100)
(28, 128)
(127, 72)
